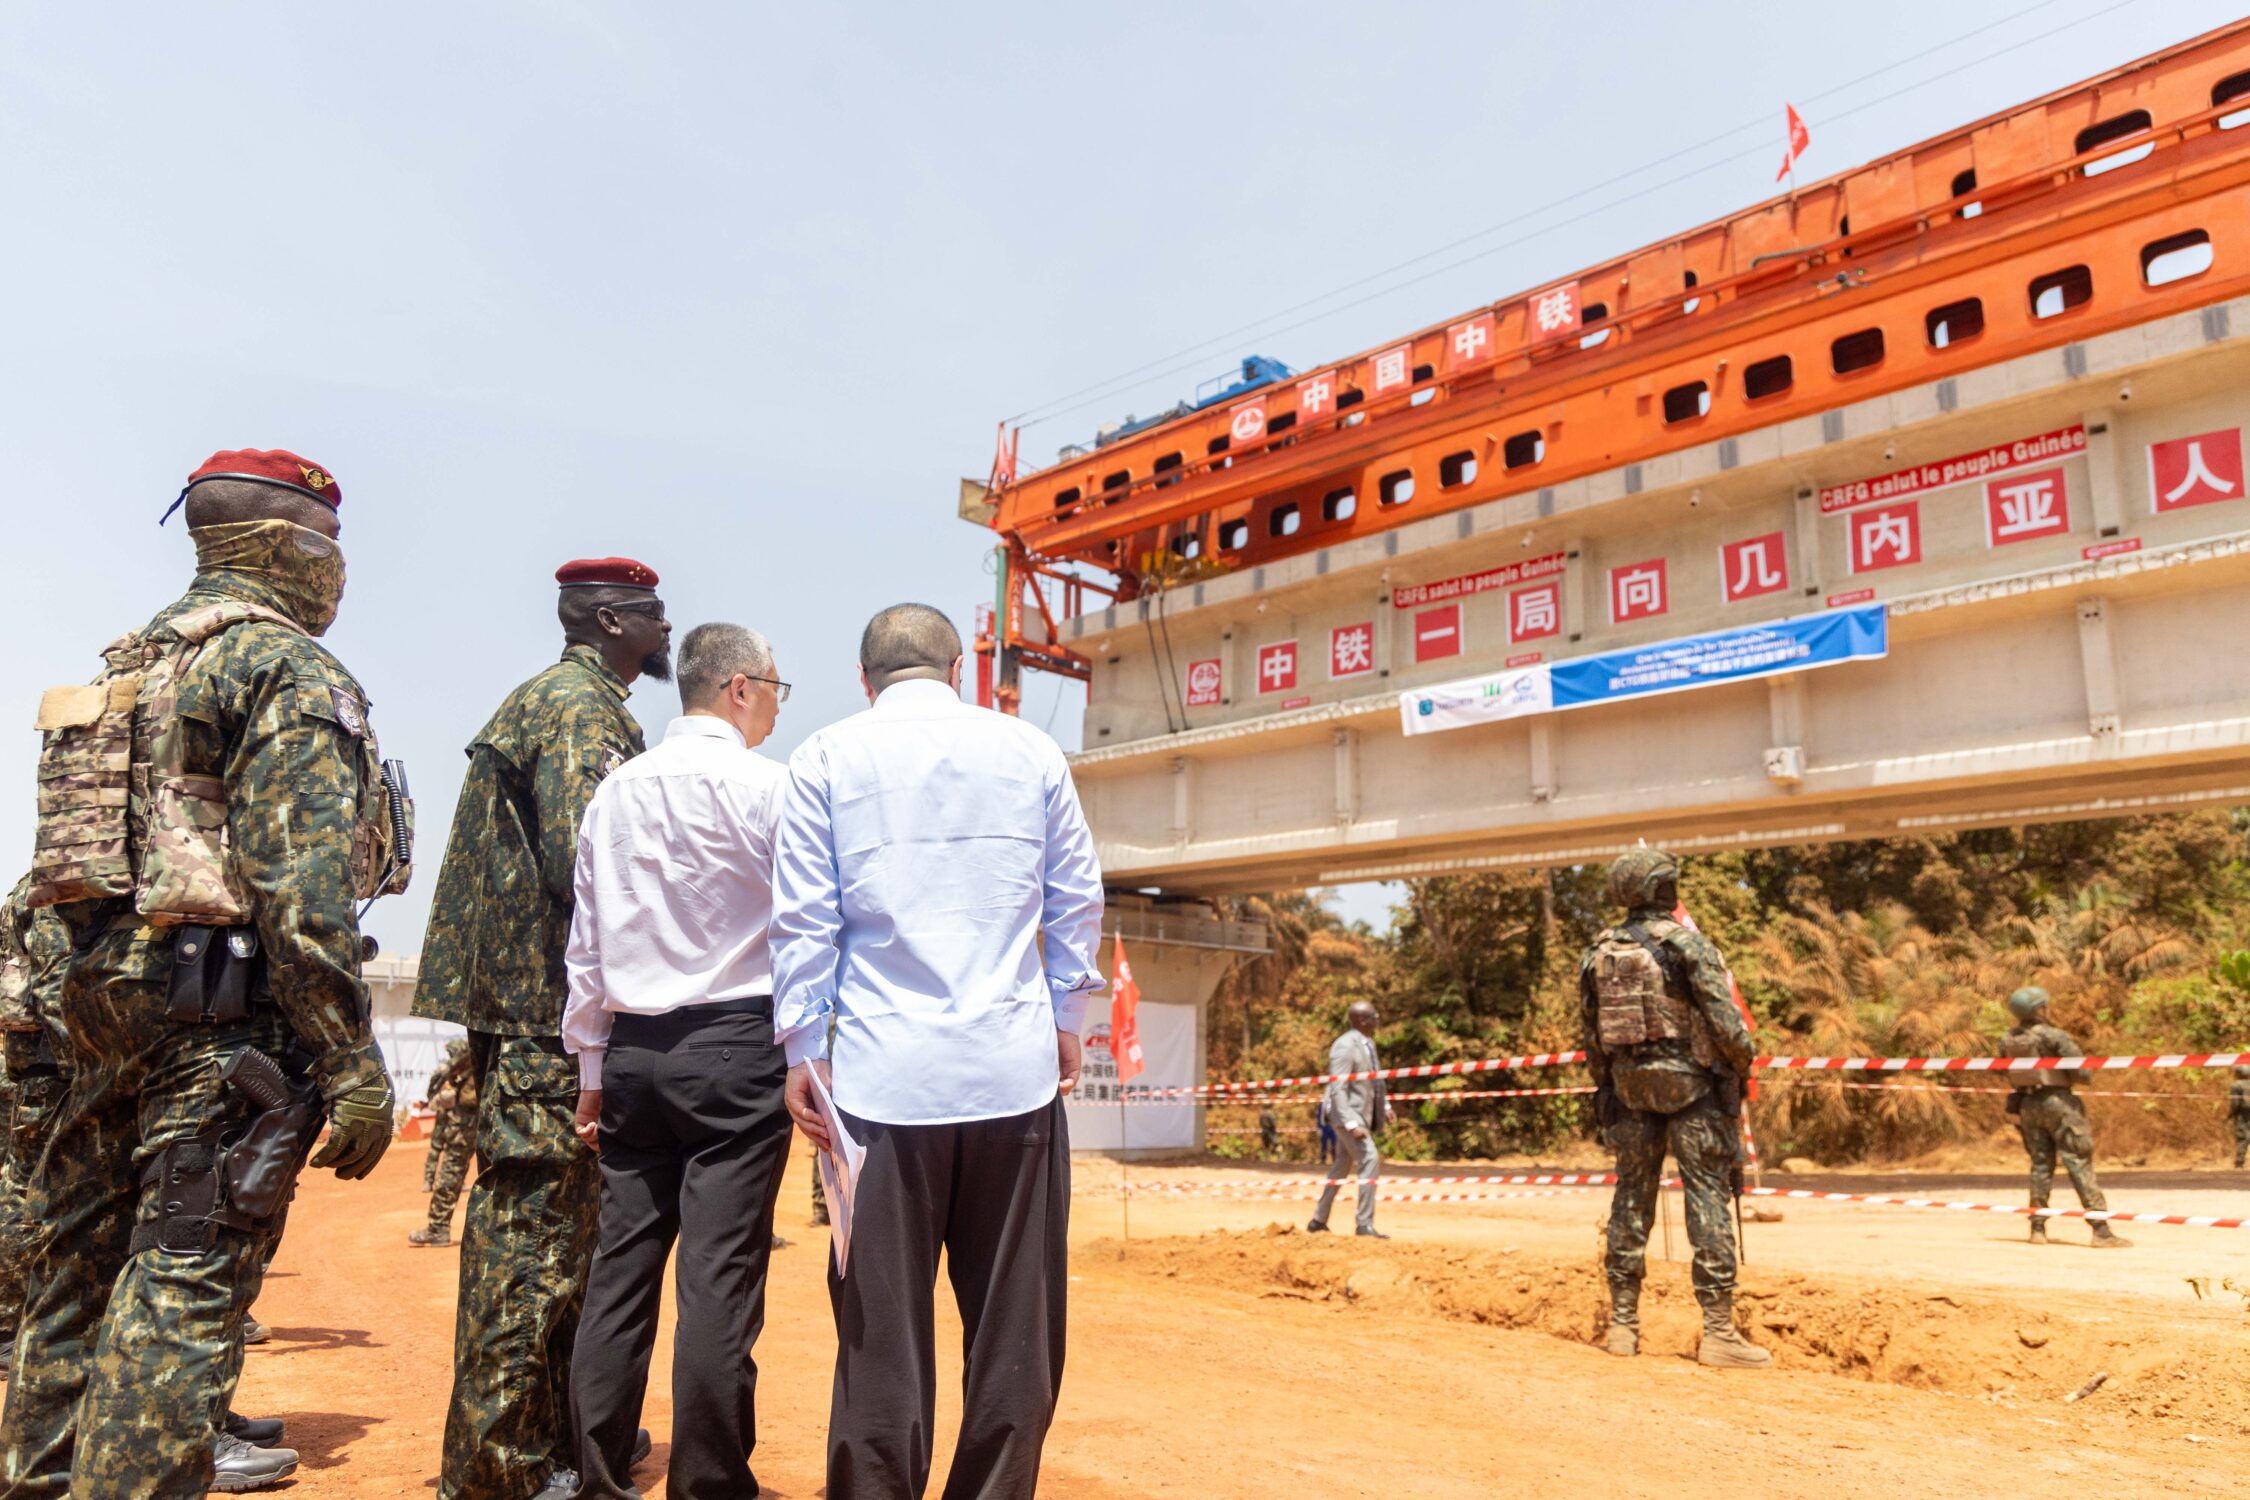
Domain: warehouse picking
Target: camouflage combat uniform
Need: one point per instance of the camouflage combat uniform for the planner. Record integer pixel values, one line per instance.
(2052, 1121)
(33, 945)
(1676, 1093)
(130, 1336)
(452, 1141)
(2238, 1113)
(492, 961)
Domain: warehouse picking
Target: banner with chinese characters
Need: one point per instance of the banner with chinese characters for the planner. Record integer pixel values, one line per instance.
(1097, 1122)
(1638, 671)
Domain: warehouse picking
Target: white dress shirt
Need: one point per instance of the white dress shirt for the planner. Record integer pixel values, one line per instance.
(674, 884)
(926, 845)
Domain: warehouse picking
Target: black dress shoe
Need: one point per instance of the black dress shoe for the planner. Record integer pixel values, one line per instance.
(1314, 1226)
(1371, 1234)
(643, 1445)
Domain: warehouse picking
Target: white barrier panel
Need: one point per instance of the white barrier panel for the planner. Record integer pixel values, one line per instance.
(1168, 1051)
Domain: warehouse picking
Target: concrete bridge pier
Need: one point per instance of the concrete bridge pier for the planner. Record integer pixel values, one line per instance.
(1179, 954)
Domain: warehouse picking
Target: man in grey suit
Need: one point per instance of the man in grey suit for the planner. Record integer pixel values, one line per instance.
(1358, 1108)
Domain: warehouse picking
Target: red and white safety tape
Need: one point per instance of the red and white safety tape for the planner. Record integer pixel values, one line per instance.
(2002, 1064)
(1424, 1070)
(1786, 1064)
(1438, 1094)
(1564, 1185)
(2113, 1216)
(1967, 1088)
(1264, 1184)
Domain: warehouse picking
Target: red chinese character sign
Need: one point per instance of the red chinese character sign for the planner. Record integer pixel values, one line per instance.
(1469, 343)
(2025, 507)
(1392, 370)
(1351, 650)
(1247, 423)
(1437, 633)
(1638, 592)
(1553, 313)
(1887, 537)
(1753, 566)
(1203, 683)
(1317, 397)
(2200, 470)
(1535, 612)
(1277, 667)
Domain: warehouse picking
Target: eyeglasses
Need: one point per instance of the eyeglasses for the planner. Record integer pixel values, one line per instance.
(654, 609)
(780, 688)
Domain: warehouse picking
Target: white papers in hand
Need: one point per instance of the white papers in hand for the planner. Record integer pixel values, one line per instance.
(839, 1172)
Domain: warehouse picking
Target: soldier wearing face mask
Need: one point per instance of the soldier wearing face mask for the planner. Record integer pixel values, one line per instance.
(212, 809)
(492, 961)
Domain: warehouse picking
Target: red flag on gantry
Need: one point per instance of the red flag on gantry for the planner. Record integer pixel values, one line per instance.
(1124, 1025)
(1799, 139)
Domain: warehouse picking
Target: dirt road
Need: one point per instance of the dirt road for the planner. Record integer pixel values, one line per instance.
(1225, 1353)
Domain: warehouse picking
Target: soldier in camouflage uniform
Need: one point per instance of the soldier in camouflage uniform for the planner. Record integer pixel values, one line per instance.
(492, 961)
(1669, 1052)
(2238, 1112)
(211, 811)
(2049, 1117)
(453, 1138)
(33, 945)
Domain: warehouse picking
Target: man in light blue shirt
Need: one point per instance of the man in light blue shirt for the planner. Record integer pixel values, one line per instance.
(936, 892)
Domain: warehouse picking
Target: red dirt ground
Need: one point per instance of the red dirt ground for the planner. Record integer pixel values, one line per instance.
(1224, 1353)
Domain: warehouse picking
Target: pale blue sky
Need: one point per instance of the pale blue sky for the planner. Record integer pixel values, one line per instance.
(740, 290)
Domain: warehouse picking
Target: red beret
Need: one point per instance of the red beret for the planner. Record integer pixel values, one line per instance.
(606, 572)
(276, 466)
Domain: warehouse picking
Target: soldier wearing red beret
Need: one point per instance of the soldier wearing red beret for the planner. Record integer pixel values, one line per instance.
(492, 961)
(212, 812)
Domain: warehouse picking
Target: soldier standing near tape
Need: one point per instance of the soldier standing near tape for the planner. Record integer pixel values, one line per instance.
(2238, 1112)
(212, 808)
(1668, 1052)
(453, 1139)
(2049, 1117)
(492, 961)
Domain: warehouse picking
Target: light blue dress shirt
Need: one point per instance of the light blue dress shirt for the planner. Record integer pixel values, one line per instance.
(926, 848)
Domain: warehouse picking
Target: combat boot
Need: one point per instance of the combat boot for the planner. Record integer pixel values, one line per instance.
(1624, 1340)
(258, 1432)
(2106, 1238)
(2039, 1231)
(237, 1467)
(436, 1237)
(1725, 1349)
(255, 1332)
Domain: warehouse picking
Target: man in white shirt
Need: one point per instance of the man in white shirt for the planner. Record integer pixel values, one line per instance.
(927, 848)
(671, 1020)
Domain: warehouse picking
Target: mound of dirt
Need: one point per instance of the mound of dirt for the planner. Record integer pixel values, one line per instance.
(2010, 1352)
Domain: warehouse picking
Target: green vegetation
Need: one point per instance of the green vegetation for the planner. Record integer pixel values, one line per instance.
(2139, 928)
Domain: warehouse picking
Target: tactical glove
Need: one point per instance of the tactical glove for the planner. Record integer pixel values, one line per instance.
(361, 1116)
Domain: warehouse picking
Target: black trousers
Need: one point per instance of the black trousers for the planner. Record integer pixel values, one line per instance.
(693, 1139)
(995, 1196)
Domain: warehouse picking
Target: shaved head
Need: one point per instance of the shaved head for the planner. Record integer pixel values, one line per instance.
(229, 502)
(907, 641)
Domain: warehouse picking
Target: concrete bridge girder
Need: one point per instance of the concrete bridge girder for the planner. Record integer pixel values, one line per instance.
(2023, 682)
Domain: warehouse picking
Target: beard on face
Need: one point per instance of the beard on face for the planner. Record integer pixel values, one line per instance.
(657, 665)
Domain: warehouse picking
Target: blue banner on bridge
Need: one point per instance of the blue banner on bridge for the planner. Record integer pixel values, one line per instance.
(1665, 667)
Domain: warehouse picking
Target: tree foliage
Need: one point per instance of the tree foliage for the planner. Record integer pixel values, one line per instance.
(2137, 927)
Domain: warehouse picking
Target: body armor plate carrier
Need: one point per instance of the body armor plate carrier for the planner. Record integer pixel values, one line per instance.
(121, 816)
(1641, 995)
